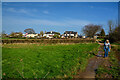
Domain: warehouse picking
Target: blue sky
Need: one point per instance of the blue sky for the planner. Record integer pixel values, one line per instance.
(56, 16)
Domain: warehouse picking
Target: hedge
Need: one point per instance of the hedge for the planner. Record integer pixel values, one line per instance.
(46, 41)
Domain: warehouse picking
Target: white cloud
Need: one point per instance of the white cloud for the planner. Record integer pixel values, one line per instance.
(66, 22)
(45, 12)
(24, 11)
(17, 10)
(11, 10)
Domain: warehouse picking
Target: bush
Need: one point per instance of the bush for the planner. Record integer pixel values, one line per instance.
(114, 36)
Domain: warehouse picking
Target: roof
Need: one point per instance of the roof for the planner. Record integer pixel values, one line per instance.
(52, 32)
(32, 33)
(70, 32)
(51, 35)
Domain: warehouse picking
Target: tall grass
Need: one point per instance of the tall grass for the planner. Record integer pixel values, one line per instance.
(44, 61)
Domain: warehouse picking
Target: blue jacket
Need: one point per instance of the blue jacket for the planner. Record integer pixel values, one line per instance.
(106, 48)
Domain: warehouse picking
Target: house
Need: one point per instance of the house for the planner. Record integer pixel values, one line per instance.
(30, 35)
(62, 36)
(70, 34)
(96, 36)
(51, 34)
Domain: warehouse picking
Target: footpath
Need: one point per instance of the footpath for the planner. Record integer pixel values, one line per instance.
(93, 64)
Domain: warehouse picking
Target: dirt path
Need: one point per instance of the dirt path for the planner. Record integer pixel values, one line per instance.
(93, 65)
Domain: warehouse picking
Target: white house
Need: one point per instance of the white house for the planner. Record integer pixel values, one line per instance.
(70, 34)
(30, 35)
(50, 34)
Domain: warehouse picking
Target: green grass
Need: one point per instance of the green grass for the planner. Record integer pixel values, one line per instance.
(39, 61)
(101, 39)
(116, 43)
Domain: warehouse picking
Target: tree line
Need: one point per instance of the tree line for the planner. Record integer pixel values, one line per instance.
(89, 30)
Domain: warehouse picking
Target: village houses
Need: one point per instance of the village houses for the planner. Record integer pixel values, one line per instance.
(51, 34)
(70, 34)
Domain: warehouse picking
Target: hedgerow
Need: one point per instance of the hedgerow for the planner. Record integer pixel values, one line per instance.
(50, 41)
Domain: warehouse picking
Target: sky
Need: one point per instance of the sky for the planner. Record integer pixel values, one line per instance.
(56, 16)
(60, 0)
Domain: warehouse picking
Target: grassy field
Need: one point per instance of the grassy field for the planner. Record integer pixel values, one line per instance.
(45, 61)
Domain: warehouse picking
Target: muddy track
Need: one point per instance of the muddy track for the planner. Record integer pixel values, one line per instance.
(93, 64)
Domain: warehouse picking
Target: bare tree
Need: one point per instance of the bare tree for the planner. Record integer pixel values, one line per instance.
(91, 29)
(45, 32)
(29, 31)
(111, 25)
(114, 31)
(41, 33)
(3, 34)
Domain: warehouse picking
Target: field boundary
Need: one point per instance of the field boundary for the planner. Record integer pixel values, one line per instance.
(47, 41)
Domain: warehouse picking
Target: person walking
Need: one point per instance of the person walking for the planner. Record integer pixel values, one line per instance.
(107, 48)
